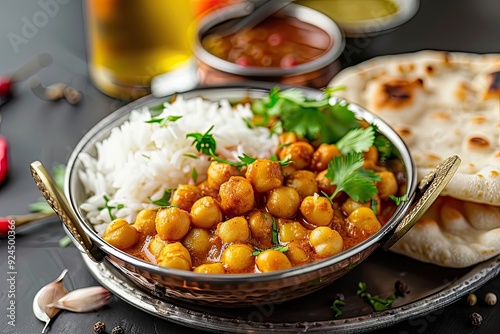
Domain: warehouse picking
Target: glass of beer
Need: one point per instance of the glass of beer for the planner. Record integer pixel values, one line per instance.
(130, 42)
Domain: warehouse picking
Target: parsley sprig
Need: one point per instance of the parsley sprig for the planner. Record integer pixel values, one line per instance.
(348, 174)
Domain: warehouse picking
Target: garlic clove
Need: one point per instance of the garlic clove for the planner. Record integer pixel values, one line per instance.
(83, 300)
(46, 296)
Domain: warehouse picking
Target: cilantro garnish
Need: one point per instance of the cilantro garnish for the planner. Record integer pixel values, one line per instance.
(206, 144)
(357, 140)
(373, 206)
(335, 307)
(312, 119)
(110, 208)
(400, 199)
(194, 175)
(164, 120)
(164, 200)
(282, 249)
(378, 303)
(155, 111)
(347, 174)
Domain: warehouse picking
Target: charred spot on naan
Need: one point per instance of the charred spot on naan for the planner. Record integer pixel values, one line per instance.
(397, 94)
(493, 90)
(475, 143)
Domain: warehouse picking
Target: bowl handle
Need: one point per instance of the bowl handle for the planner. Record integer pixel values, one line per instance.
(58, 202)
(428, 191)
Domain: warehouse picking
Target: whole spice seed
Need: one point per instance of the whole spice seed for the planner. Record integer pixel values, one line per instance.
(490, 298)
(401, 288)
(476, 319)
(471, 299)
(99, 327)
(117, 330)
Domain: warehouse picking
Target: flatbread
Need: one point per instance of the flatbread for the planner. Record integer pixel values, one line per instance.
(453, 235)
(440, 104)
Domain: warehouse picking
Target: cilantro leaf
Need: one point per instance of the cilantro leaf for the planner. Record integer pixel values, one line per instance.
(309, 118)
(205, 143)
(378, 303)
(163, 121)
(274, 232)
(155, 111)
(400, 199)
(257, 251)
(357, 140)
(347, 174)
(164, 200)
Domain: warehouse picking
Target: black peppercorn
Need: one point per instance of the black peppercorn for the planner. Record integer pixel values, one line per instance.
(99, 327)
(476, 319)
(401, 288)
(117, 330)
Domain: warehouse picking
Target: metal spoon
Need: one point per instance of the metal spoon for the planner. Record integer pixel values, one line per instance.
(262, 9)
(39, 311)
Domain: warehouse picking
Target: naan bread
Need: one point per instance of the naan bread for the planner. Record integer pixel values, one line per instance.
(441, 104)
(453, 235)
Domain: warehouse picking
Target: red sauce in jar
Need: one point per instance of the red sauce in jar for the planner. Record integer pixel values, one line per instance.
(281, 42)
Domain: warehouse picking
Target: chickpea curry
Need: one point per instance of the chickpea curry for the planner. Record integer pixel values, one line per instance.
(327, 189)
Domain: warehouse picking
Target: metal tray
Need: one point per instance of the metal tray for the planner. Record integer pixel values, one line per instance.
(431, 287)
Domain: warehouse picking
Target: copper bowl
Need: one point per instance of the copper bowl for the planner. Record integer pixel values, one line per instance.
(315, 73)
(230, 289)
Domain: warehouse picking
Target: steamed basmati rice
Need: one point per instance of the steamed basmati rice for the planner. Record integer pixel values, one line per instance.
(139, 161)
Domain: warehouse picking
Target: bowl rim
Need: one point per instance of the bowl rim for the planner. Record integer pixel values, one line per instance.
(406, 9)
(119, 116)
(302, 13)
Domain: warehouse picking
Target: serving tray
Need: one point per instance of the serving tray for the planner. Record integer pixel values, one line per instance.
(430, 288)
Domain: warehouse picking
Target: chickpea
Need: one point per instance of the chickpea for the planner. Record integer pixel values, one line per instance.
(197, 242)
(237, 196)
(388, 185)
(287, 138)
(272, 260)
(210, 268)
(120, 234)
(264, 175)
(350, 205)
(206, 213)
(176, 256)
(292, 231)
(323, 155)
(297, 253)
(145, 222)
(219, 172)
(234, 230)
(156, 245)
(185, 196)
(371, 158)
(324, 184)
(304, 182)
(317, 210)
(172, 223)
(300, 153)
(238, 258)
(325, 241)
(261, 227)
(365, 220)
(283, 202)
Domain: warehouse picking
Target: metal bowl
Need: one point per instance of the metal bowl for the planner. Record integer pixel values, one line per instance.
(231, 289)
(315, 73)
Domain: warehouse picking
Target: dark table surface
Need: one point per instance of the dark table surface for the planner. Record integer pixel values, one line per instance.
(48, 131)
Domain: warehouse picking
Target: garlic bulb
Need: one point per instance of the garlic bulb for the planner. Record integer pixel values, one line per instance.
(83, 300)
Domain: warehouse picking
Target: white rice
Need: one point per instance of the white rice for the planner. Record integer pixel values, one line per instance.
(140, 160)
